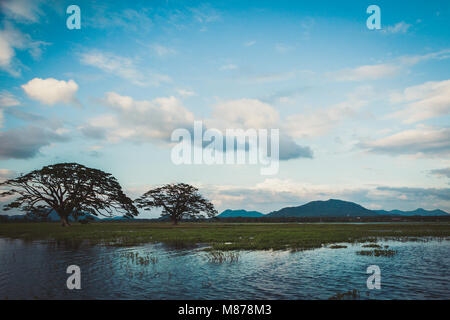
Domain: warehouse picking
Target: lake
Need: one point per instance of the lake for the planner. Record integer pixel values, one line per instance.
(37, 270)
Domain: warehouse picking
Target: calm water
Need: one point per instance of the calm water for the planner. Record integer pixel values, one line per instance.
(37, 270)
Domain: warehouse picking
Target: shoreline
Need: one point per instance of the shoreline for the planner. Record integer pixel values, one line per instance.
(223, 236)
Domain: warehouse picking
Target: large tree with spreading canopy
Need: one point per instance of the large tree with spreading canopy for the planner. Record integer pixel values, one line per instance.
(68, 188)
(177, 201)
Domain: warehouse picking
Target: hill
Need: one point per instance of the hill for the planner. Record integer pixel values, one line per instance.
(240, 213)
(329, 208)
(417, 212)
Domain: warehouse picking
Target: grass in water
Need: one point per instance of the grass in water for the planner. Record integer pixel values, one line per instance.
(140, 260)
(349, 295)
(225, 236)
(215, 256)
(372, 245)
(337, 246)
(377, 253)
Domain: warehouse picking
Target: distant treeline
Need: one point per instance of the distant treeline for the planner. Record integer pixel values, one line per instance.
(5, 219)
(389, 218)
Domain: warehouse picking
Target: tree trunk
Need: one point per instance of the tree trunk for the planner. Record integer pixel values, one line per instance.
(64, 221)
(174, 221)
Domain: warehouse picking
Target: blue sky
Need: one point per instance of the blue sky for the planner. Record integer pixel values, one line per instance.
(364, 113)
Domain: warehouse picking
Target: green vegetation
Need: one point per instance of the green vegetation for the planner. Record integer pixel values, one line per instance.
(377, 253)
(337, 246)
(226, 236)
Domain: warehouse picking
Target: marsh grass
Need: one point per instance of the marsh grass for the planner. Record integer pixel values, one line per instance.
(349, 295)
(372, 245)
(219, 257)
(226, 236)
(138, 259)
(377, 253)
(337, 246)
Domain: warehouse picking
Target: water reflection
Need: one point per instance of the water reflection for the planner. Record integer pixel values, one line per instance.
(37, 270)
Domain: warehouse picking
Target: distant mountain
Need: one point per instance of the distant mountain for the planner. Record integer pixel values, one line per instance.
(240, 213)
(116, 218)
(417, 212)
(329, 208)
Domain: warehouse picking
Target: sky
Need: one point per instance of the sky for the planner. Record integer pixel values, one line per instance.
(363, 114)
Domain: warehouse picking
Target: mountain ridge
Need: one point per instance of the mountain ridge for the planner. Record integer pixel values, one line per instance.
(331, 208)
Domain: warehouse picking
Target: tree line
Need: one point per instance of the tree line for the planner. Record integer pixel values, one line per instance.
(73, 189)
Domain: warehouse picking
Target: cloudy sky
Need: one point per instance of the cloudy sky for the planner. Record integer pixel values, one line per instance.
(363, 114)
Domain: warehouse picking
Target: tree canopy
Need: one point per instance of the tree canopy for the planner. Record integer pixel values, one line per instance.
(68, 188)
(177, 201)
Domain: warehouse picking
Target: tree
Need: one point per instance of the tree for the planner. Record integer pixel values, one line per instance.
(177, 201)
(68, 188)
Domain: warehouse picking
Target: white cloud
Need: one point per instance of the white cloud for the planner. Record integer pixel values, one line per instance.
(243, 113)
(319, 122)
(162, 51)
(269, 77)
(274, 194)
(6, 174)
(8, 100)
(27, 11)
(428, 100)
(414, 59)
(422, 141)
(249, 43)
(104, 17)
(254, 114)
(228, 67)
(139, 121)
(154, 121)
(186, 93)
(282, 48)
(367, 72)
(12, 40)
(400, 27)
(384, 70)
(123, 67)
(51, 91)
